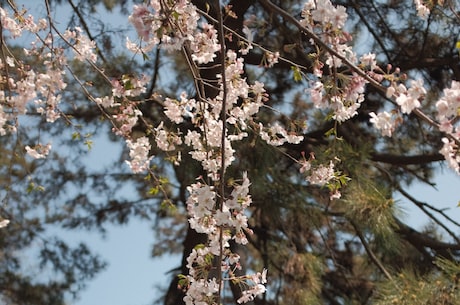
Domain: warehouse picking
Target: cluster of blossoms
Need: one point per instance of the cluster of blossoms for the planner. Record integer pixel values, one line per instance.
(320, 175)
(84, 48)
(327, 21)
(206, 140)
(407, 100)
(39, 151)
(384, 121)
(171, 27)
(17, 27)
(324, 13)
(344, 99)
(27, 89)
(447, 108)
(24, 87)
(222, 218)
(422, 10)
(207, 217)
(221, 224)
(139, 154)
(448, 112)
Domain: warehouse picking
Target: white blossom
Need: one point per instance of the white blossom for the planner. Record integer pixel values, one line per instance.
(139, 154)
(4, 223)
(383, 121)
(39, 151)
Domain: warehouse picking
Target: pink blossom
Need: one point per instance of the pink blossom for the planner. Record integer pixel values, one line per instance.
(166, 140)
(369, 61)
(272, 58)
(141, 20)
(321, 174)
(4, 223)
(383, 122)
(139, 154)
(449, 104)
(422, 10)
(408, 99)
(450, 152)
(205, 44)
(39, 151)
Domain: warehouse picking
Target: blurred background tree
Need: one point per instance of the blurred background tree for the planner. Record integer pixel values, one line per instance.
(354, 250)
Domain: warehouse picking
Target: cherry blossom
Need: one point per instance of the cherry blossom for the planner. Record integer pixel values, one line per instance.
(139, 154)
(83, 47)
(38, 151)
(449, 104)
(4, 223)
(256, 287)
(324, 12)
(422, 10)
(321, 174)
(205, 44)
(384, 122)
(408, 99)
(450, 153)
(277, 135)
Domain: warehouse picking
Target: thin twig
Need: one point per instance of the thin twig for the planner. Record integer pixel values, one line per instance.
(223, 117)
(87, 30)
(422, 206)
(369, 251)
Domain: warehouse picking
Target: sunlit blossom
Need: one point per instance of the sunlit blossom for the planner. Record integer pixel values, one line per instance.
(139, 154)
(384, 122)
(38, 151)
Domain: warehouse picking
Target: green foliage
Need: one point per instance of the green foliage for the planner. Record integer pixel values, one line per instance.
(371, 208)
(304, 271)
(408, 288)
(296, 73)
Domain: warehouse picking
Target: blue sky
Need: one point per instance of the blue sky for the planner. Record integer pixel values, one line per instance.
(132, 276)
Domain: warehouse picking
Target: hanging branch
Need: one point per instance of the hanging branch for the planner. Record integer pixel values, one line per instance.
(422, 206)
(369, 251)
(223, 116)
(419, 113)
(87, 30)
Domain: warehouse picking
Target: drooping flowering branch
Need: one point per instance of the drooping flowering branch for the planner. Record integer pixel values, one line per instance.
(322, 23)
(210, 211)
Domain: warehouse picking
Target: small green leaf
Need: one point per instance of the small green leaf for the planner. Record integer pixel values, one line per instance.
(76, 135)
(153, 191)
(30, 187)
(183, 281)
(89, 144)
(128, 85)
(163, 180)
(297, 74)
(331, 132)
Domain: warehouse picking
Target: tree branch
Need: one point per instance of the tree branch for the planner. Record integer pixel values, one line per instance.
(406, 160)
(369, 251)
